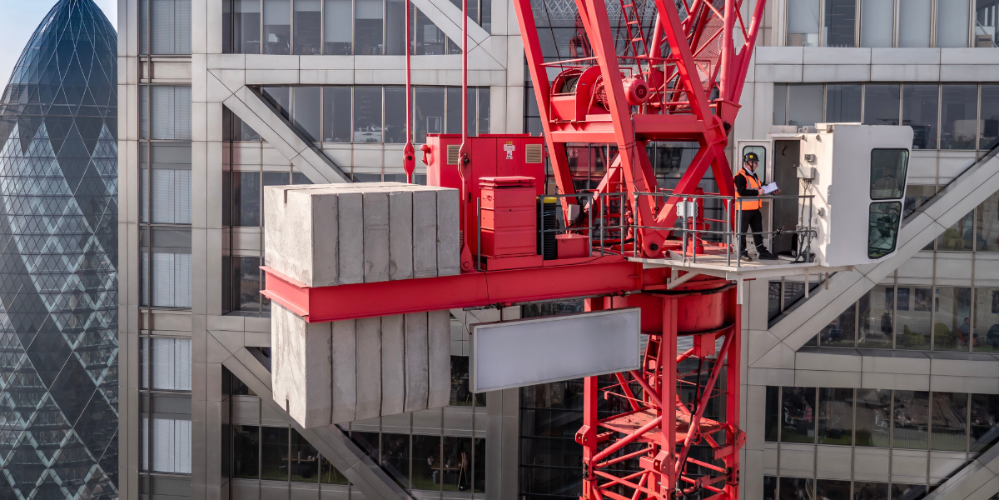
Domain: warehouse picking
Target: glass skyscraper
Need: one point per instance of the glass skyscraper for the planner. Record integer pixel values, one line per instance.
(58, 261)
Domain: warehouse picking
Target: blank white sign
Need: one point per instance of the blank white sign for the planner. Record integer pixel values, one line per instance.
(535, 351)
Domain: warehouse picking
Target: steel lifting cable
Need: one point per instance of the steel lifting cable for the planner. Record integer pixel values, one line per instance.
(544, 3)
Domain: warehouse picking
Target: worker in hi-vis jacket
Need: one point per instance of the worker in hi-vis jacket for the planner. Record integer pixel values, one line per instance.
(747, 184)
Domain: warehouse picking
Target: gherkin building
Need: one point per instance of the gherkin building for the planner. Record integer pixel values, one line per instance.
(58, 261)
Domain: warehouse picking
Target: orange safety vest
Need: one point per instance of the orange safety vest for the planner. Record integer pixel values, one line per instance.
(751, 183)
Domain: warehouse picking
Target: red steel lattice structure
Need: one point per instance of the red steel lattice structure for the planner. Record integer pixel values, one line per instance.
(680, 81)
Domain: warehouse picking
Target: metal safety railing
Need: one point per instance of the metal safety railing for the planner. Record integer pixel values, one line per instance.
(607, 220)
(693, 228)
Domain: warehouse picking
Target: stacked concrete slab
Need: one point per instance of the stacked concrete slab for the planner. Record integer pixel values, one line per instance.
(344, 234)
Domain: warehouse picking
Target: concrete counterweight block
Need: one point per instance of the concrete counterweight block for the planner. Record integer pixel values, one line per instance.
(352, 235)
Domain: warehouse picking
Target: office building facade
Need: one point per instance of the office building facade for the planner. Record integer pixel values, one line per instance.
(59, 327)
(874, 386)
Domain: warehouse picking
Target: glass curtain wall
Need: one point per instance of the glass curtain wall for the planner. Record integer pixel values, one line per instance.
(887, 23)
(164, 27)
(308, 27)
(957, 423)
(942, 116)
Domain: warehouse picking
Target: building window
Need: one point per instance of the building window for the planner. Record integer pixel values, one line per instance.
(374, 114)
(881, 104)
(959, 123)
(804, 105)
(952, 23)
(168, 111)
(919, 111)
(165, 267)
(803, 23)
(986, 15)
(877, 20)
(165, 444)
(332, 27)
(165, 182)
(166, 364)
(164, 27)
(840, 23)
(914, 18)
(843, 103)
(914, 318)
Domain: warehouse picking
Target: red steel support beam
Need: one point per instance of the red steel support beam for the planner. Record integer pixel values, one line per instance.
(590, 277)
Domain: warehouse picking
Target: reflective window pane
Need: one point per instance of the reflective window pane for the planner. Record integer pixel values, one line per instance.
(883, 229)
(841, 332)
(165, 267)
(395, 34)
(277, 27)
(245, 451)
(170, 111)
(959, 120)
(915, 197)
(772, 413)
(987, 319)
(395, 115)
(246, 198)
(950, 417)
(460, 395)
(797, 424)
(802, 23)
(875, 314)
(479, 467)
(986, 17)
(873, 417)
(780, 104)
(829, 489)
(426, 460)
(336, 114)
(428, 112)
(907, 491)
(843, 103)
(483, 110)
(280, 98)
(769, 488)
(274, 453)
(952, 23)
(914, 23)
(246, 26)
(911, 419)
(805, 105)
(796, 489)
(881, 104)
(984, 421)
(367, 114)
(919, 111)
(169, 195)
(959, 237)
(888, 168)
(395, 457)
(307, 111)
(953, 321)
(870, 491)
(989, 129)
(170, 364)
(247, 284)
(304, 460)
(877, 18)
(308, 27)
(169, 26)
(453, 122)
(914, 316)
(338, 27)
(840, 23)
(368, 23)
(836, 416)
(429, 39)
(457, 462)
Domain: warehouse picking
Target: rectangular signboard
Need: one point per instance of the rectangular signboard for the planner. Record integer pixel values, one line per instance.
(535, 351)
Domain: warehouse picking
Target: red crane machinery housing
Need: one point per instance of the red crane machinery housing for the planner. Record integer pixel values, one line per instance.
(681, 80)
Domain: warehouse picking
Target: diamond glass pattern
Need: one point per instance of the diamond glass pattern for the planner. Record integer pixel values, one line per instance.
(58, 261)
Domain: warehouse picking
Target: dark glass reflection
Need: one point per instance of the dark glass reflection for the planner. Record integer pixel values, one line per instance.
(58, 193)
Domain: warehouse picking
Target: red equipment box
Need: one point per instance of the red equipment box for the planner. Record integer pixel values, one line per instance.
(509, 222)
(571, 246)
(491, 155)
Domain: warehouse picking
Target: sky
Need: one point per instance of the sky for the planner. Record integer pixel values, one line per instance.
(18, 22)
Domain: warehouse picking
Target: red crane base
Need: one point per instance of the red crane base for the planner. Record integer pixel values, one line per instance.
(662, 445)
